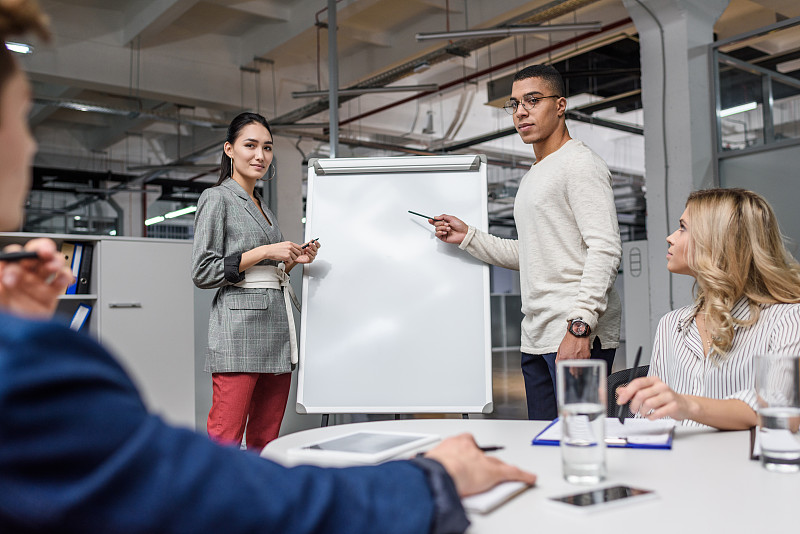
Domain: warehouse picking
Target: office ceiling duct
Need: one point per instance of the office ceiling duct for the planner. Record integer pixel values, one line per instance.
(540, 15)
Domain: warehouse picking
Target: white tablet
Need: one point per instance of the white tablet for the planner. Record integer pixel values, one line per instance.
(362, 447)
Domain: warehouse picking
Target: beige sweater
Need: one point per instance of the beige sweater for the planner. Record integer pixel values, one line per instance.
(568, 250)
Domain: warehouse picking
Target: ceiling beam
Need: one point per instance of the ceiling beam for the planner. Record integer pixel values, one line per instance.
(262, 8)
(380, 39)
(153, 17)
(42, 112)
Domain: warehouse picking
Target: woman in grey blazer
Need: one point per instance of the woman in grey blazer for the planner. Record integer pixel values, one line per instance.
(239, 249)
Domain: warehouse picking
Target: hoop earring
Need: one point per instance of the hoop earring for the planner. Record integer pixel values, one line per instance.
(272, 174)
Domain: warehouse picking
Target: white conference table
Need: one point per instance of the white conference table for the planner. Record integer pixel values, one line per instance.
(706, 483)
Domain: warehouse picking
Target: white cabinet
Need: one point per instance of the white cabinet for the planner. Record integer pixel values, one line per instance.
(142, 301)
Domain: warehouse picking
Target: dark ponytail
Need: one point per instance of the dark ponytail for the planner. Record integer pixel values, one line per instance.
(234, 129)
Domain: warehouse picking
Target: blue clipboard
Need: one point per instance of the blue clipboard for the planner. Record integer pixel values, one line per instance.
(635, 434)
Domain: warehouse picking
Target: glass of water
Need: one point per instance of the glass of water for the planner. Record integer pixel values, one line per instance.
(582, 411)
(778, 389)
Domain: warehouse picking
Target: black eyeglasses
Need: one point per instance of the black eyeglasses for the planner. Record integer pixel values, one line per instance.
(528, 102)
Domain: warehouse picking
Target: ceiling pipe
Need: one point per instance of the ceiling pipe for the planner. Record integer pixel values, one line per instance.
(508, 31)
(544, 13)
(369, 90)
(499, 66)
(333, 79)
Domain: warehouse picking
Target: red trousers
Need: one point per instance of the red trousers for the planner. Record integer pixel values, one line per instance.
(253, 400)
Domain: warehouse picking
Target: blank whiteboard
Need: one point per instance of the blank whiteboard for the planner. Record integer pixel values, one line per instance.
(394, 320)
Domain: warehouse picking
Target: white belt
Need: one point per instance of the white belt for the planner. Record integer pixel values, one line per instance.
(270, 277)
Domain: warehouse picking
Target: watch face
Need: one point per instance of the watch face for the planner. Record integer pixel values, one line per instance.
(579, 328)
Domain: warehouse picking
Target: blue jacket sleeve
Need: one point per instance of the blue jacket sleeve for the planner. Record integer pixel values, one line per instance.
(80, 453)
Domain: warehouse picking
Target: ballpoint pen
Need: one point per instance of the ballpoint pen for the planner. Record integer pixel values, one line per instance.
(421, 215)
(621, 412)
(17, 256)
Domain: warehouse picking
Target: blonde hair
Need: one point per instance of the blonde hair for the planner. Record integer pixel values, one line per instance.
(736, 250)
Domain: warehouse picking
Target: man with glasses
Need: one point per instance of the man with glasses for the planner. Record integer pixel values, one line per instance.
(568, 248)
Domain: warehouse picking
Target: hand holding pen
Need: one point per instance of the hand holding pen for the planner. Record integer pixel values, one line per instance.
(309, 251)
(448, 228)
(31, 279)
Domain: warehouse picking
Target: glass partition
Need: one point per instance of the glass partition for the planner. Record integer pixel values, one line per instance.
(757, 89)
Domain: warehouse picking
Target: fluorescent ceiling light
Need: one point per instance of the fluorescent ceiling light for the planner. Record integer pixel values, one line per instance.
(788, 66)
(365, 90)
(19, 48)
(170, 215)
(178, 213)
(511, 30)
(738, 109)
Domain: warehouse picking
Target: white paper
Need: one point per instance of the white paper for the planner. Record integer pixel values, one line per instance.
(485, 502)
(634, 431)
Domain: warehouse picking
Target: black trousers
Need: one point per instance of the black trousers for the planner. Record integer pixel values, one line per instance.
(539, 372)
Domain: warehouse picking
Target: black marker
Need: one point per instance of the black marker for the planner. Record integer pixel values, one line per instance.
(621, 412)
(315, 239)
(492, 448)
(421, 215)
(17, 256)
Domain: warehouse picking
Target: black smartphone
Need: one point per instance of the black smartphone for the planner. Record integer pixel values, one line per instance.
(600, 498)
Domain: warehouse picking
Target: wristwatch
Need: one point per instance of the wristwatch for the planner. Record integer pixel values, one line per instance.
(578, 328)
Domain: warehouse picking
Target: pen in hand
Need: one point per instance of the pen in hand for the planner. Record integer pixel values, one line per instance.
(18, 256)
(631, 376)
(312, 241)
(487, 448)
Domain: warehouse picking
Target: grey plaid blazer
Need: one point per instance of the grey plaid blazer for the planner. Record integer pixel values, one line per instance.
(248, 331)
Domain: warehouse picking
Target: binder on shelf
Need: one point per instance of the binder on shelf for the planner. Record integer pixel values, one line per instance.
(85, 270)
(67, 250)
(80, 316)
(75, 265)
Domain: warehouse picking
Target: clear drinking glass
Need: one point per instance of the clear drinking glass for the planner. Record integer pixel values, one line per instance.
(778, 389)
(582, 410)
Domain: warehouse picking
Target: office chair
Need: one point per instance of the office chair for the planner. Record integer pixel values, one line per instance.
(619, 379)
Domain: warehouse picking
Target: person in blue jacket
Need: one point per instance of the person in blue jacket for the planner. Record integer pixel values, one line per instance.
(79, 453)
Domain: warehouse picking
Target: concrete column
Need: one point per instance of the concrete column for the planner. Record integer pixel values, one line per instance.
(674, 37)
(133, 215)
(288, 189)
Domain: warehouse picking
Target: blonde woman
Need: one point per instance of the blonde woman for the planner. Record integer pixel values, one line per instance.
(747, 302)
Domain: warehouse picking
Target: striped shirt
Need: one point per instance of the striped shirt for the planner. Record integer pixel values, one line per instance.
(678, 357)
